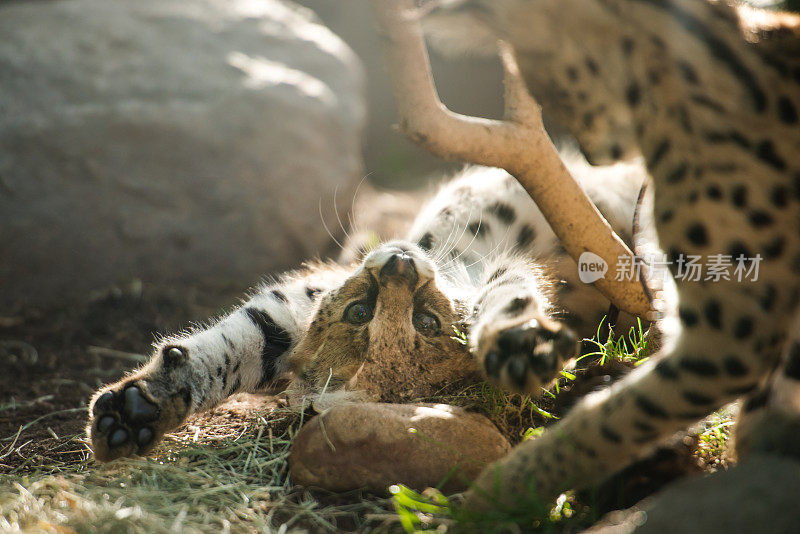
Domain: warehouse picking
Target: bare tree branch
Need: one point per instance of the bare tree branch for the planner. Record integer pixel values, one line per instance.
(519, 144)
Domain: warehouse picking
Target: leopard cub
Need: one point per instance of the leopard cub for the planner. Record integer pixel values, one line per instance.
(479, 264)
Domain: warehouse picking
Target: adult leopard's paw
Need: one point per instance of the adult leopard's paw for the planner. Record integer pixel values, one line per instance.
(525, 356)
(130, 417)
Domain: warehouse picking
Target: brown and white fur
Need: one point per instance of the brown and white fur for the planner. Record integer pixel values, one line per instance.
(478, 258)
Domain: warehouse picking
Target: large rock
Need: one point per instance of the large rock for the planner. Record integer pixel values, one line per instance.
(373, 446)
(171, 140)
(758, 495)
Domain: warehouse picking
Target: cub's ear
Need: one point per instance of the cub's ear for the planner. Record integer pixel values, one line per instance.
(460, 27)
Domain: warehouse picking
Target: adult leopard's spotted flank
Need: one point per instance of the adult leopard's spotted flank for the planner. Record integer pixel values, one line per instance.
(703, 91)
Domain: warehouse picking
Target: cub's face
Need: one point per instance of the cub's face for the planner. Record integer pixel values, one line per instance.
(387, 330)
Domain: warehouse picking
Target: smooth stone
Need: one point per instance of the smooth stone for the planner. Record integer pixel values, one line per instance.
(376, 445)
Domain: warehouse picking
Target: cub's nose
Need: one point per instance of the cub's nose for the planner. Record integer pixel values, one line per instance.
(399, 266)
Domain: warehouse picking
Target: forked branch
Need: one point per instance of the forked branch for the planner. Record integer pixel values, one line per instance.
(518, 144)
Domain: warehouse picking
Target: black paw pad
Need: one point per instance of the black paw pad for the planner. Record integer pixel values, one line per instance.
(144, 437)
(138, 409)
(518, 371)
(118, 437)
(520, 339)
(492, 363)
(103, 403)
(543, 364)
(124, 418)
(529, 348)
(566, 343)
(105, 423)
(174, 356)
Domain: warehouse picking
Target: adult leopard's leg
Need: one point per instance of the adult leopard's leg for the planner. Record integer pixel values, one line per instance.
(512, 335)
(721, 354)
(243, 352)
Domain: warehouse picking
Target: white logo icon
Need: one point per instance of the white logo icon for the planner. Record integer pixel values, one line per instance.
(591, 267)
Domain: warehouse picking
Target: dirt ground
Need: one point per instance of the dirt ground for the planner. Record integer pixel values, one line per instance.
(55, 358)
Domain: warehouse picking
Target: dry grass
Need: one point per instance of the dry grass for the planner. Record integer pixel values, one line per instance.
(226, 472)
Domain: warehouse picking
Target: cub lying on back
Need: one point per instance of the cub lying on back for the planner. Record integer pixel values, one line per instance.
(479, 258)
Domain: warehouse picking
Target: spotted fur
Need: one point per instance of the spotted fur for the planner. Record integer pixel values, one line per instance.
(474, 262)
(708, 93)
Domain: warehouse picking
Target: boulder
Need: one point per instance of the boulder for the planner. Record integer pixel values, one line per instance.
(169, 140)
(373, 446)
(758, 495)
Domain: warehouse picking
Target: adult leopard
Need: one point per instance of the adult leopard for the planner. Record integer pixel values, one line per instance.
(708, 92)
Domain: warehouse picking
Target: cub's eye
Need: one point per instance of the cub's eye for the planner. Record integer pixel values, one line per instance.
(358, 313)
(426, 323)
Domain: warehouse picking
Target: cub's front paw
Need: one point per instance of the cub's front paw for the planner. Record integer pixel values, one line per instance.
(524, 357)
(131, 416)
